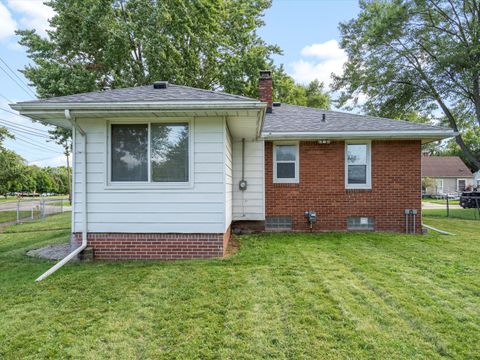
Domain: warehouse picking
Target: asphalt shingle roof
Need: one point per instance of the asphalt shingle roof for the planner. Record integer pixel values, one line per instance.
(291, 118)
(444, 166)
(284, 119)
(144, 94)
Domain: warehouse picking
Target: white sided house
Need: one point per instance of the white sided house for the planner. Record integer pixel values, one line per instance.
(157, 164)
(163, 171)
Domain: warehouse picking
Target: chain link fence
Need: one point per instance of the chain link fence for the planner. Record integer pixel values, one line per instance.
(24, 209)
(448, 206)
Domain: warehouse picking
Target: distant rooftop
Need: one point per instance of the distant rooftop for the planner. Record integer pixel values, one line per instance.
(444, 166)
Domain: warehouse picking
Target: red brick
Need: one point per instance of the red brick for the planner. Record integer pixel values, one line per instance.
(126, 246)
(396, 186)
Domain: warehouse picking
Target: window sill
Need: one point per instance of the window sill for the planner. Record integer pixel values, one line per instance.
(359, 190)
(286, 184)
(149, 186)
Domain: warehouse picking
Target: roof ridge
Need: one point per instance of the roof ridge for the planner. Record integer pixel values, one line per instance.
(215, 92)
(144, 93)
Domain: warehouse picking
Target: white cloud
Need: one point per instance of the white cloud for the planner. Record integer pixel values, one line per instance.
(60, 160)
(327, 50)
(8, 25)
(32, 14)
(329, 59)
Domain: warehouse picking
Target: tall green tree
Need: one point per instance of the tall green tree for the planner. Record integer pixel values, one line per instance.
(285, 90)
(4, 134)
(11, 166)
(94, 44)
(97, 44)
(416, 55)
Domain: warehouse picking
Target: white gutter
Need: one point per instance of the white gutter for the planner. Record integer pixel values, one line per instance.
(84, 201)
(410, 134)
(140, 105)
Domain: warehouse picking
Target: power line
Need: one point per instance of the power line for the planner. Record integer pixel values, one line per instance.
(49, 158)
(14, 113)
(28, 132)
(22, 116)
(16, 75)
(3, 96)
(24, 131)
(20, 138)
(29, 92)
(25, 127)
(13, 127)
(32, 142)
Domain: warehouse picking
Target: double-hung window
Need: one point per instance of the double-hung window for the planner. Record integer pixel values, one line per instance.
(285, 163)
(358, 173)
(152, 153)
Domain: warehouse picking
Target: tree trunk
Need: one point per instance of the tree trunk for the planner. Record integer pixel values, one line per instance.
(458, 139)
(476, 97)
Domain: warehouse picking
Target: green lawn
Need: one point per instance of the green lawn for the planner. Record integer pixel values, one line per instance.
(7, 216)
(59, 203)
(467, 214)
(282, 296)
(4, 199)
(441, 201)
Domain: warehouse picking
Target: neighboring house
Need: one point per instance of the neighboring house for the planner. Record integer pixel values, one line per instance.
(449, 174)
(164, 171)
(476, 180)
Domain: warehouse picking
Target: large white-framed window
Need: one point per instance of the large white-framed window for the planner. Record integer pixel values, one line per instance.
(439, 186)
(358, 165)
(150, 154)
(286, 161)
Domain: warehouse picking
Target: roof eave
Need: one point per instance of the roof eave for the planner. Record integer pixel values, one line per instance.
(163, 105)
(424, 135)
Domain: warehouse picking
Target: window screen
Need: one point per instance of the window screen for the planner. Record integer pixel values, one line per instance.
(357, 163)
(286, 162)
(169, 152)
(129, 152)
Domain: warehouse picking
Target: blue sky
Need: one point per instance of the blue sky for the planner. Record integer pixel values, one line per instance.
(307, 32)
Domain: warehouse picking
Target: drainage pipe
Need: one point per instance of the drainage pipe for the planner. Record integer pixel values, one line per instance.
(438, 230)
(75, 127)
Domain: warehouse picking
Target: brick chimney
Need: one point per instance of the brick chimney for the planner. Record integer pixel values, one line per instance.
(265, 88)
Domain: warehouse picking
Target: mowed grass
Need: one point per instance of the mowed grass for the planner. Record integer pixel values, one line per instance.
(4, 199)
(441, 201)
(11, 215)
(466, 214)
(319, 296)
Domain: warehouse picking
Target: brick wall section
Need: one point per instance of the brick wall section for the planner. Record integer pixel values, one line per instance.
(396, 186)
(265, 91)
(126, 246)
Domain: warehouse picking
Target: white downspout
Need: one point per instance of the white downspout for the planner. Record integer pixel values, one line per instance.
(84, 201)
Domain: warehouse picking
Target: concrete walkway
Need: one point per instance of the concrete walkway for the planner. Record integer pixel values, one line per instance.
(428, 205)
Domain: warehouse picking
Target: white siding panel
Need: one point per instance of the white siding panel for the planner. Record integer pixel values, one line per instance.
(249, 204)
(199, 209)
(228, 178)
